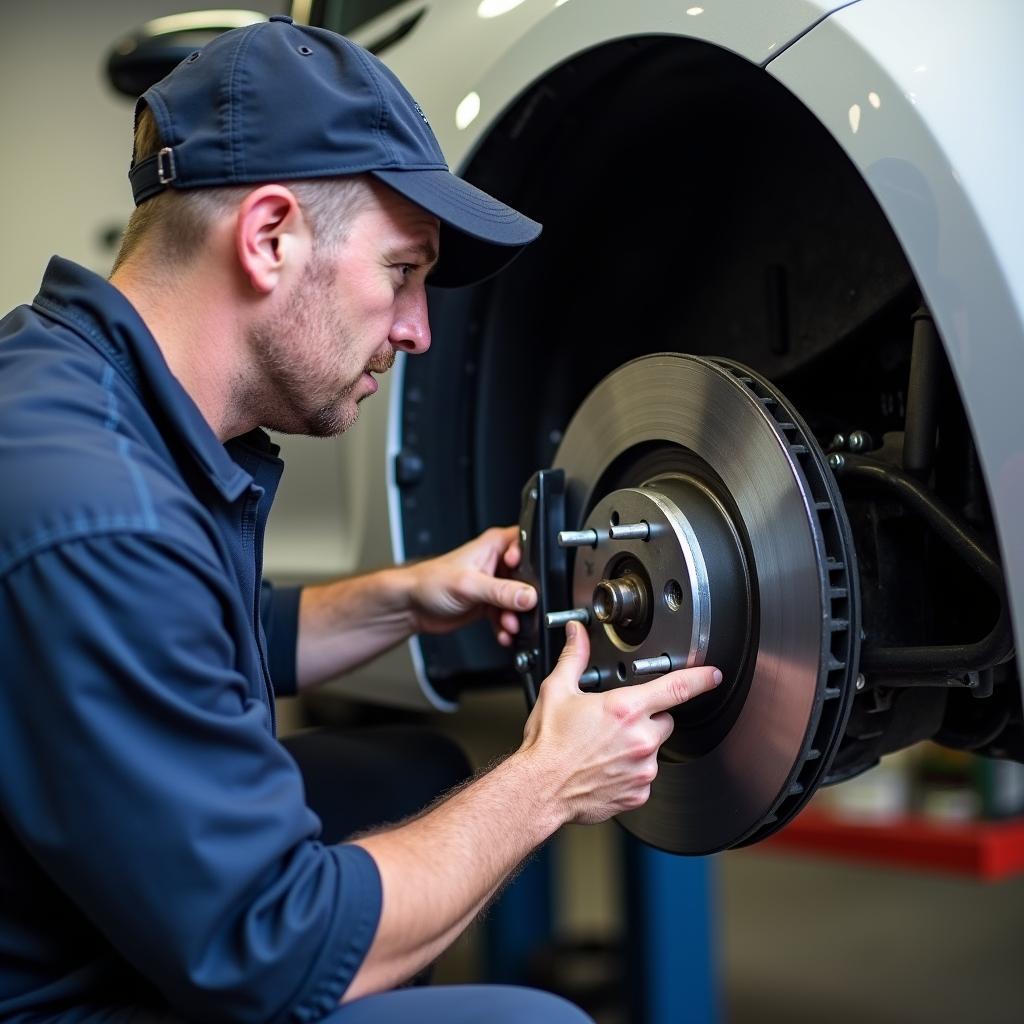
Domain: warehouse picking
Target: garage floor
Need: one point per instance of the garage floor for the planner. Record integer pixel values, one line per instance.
(799, 938)
(804, 939)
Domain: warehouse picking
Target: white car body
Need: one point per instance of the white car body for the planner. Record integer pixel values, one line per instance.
(916, 93)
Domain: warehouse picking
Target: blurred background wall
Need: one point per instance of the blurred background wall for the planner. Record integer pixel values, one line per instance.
(66, 135)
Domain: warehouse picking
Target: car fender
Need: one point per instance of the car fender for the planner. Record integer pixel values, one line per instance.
(922, 96)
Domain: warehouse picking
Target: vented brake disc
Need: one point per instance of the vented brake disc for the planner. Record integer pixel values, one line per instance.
(709, 530)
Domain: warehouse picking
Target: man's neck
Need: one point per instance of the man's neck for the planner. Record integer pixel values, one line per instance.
(199, 338)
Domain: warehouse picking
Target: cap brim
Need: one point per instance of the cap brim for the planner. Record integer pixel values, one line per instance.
(479, 234)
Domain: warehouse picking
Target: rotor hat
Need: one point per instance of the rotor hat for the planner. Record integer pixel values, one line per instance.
(278, 101)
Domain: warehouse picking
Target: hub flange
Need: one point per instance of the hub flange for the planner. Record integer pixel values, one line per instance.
(651, 591)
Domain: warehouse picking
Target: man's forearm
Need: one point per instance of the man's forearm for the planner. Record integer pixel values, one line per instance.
(349, 622)
(343, 624)
(440, 870)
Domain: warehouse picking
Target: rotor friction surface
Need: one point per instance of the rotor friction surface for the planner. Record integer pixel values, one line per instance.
(699, 409)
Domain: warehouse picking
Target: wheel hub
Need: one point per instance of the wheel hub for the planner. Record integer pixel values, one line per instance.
(650, 578)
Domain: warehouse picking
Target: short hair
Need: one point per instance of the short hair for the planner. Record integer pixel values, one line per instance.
(180, 219)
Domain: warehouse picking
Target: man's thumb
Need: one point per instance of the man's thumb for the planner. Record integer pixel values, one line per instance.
(572, 662)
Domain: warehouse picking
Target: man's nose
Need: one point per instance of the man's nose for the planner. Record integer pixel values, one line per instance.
(410, 331)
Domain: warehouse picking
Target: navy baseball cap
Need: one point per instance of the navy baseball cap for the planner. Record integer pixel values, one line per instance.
(278, 101)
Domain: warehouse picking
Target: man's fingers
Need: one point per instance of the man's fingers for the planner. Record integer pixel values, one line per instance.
(572, 662)
(508, 594)
(501, 541)
(675, 688)
(513, 554)
(506, 626)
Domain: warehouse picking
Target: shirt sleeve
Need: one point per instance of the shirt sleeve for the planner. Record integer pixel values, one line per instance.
(138, 770)
(279, 611)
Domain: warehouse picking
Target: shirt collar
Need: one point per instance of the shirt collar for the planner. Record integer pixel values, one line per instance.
(97, 311)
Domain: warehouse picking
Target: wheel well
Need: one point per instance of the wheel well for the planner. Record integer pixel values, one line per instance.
(690, 203)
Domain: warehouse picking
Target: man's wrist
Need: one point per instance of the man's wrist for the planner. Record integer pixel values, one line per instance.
(396, 593)
(545, 784)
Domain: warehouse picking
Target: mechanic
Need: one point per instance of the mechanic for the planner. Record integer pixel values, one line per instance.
(158, 859)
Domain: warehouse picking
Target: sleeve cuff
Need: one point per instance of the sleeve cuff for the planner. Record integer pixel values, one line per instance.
(282, 629)
(355, 923)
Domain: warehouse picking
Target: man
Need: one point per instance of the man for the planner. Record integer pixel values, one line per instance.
(157, 857)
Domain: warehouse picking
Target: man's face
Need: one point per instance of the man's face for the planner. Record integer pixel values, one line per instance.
(358, 303)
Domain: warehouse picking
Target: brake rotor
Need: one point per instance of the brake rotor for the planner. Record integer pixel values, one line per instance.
(719, 538)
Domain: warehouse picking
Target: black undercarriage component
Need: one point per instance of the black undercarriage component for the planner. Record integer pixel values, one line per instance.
(951, 662)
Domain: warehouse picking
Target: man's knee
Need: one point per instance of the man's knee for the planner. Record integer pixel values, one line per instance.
(520, 1005)
(460, 1004)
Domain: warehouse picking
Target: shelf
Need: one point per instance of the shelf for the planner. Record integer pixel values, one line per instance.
(988, 850)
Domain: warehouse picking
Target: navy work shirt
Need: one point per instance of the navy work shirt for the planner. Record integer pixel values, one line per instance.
(155, 845)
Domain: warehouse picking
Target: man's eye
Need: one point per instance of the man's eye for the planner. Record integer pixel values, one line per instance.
(405, 269)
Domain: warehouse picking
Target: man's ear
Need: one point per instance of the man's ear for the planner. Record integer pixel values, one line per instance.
(272, 238)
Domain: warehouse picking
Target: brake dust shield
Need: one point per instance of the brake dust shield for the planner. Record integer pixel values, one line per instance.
(719, 537)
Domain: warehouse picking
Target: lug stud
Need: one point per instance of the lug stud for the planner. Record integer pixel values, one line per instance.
(652, 666)
(555, 619)
(631, 531)
(578, 538)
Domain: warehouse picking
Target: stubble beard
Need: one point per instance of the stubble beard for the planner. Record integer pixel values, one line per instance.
(301, 392)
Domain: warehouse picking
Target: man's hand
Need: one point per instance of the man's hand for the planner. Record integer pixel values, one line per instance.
(584, 758)
(471, 581)
(601, 749)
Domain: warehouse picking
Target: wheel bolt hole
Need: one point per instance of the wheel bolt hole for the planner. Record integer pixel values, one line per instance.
(673, 595)
(614, 519)
(620, 672)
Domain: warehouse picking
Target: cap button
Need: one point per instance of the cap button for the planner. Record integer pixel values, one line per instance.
(282, 17)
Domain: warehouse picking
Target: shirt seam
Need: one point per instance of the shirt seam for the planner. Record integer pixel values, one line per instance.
(104, 528)
(81, 325)
(135, 474)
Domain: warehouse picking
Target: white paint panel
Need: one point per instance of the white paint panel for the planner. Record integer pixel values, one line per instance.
(941, 149)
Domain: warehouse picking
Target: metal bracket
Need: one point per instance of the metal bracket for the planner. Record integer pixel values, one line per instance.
(950, 661)
(543, 566)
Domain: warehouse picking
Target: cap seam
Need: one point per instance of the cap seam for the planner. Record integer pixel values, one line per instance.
(163, 117)
(379, 128)
(235, 155)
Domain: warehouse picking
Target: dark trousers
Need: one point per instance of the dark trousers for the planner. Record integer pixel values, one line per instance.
(360, 778)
